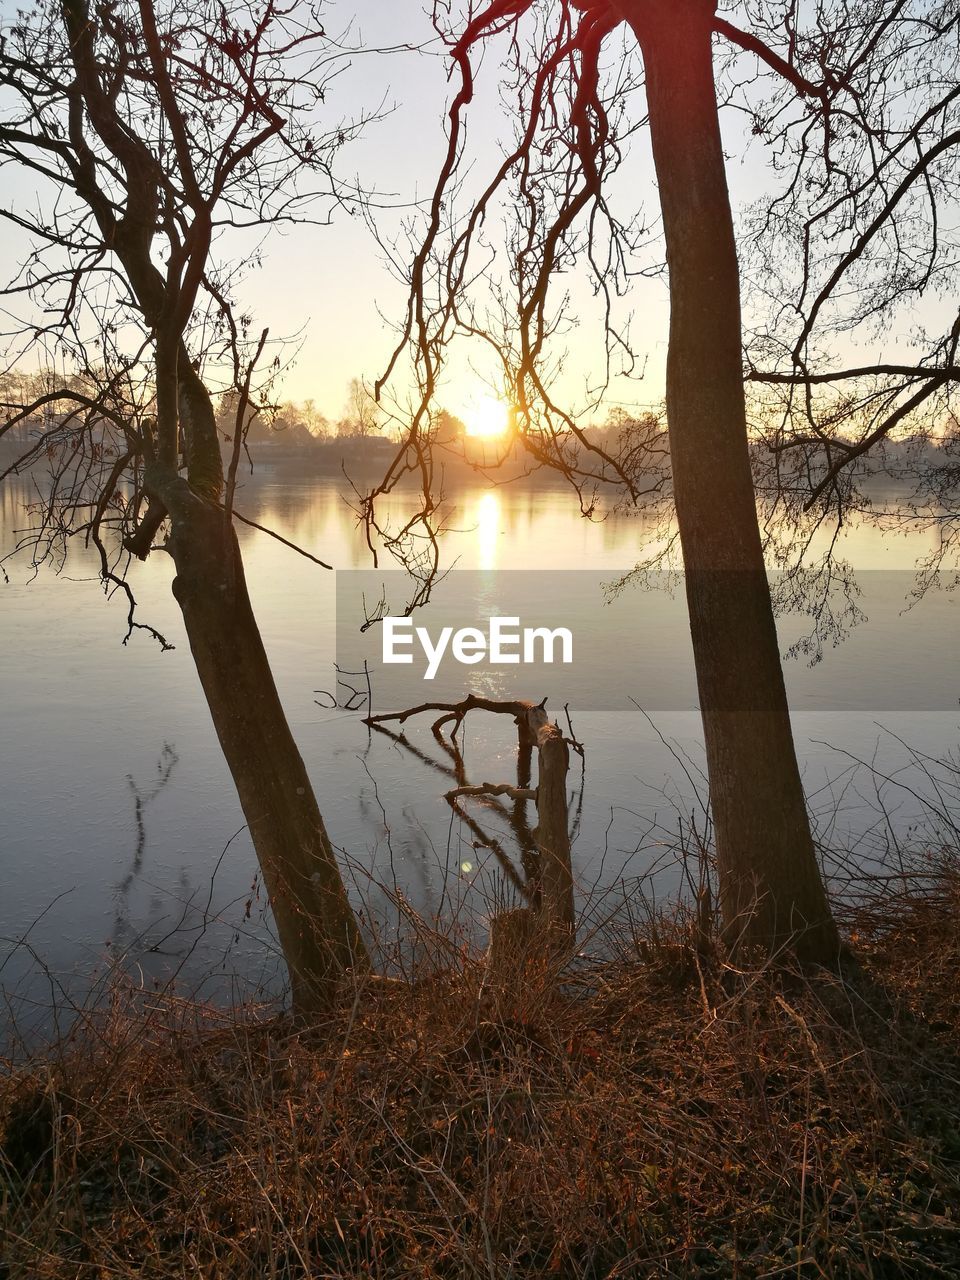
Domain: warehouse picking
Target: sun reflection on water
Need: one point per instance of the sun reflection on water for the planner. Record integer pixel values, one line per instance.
(488, 530)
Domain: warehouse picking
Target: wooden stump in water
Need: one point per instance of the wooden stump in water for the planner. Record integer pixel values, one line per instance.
(545, 928)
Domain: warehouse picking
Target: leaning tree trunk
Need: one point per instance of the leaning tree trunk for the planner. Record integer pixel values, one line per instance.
(318, 931)
(317, 928)
(771, 891)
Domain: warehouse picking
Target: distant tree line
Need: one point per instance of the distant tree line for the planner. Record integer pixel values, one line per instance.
(298, 423)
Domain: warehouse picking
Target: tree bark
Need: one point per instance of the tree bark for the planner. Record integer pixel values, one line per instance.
(770, 887)
(318, 931)
(316, 925)
(553, 831)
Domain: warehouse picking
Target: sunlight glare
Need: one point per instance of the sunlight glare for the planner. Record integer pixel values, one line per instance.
(488, 530)
(488, 418)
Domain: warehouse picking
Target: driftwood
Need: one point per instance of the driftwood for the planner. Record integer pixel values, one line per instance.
(551, 894)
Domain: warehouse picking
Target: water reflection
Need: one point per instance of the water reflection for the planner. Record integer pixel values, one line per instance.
(142, 798)
(82, 716)
(488, 530)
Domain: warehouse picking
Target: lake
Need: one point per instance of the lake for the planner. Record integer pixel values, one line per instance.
(122, 839)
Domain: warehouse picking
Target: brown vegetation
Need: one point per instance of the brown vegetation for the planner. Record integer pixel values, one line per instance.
(660, 1114)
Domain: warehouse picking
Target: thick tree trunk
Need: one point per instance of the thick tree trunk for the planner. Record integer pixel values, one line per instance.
(771, 891)
(318, 931)
(317, 928)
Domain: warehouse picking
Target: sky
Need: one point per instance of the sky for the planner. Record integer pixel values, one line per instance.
(331, 285)
(333, 282)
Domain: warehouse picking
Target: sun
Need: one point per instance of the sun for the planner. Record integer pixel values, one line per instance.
(487, 418)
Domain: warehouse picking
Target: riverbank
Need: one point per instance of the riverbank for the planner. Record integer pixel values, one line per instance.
(664, 1114)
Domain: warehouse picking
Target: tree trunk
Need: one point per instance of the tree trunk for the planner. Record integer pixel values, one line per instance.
(318, 931)
(552, 869)
(771, 891)
(553, 831)
(317, 928)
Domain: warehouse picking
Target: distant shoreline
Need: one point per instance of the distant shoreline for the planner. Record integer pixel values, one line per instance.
(366, 459)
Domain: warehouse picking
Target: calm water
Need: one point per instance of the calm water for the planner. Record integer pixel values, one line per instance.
(122, 836)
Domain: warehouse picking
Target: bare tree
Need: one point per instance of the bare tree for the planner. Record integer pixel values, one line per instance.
(572, 124)
(853, 342)
(362, 415)
(149, 131)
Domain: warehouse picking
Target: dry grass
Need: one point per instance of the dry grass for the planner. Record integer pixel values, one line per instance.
(667, 1117)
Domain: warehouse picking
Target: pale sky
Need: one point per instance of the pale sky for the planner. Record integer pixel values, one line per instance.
(331, 282)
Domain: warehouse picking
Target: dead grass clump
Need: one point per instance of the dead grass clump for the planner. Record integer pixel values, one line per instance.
(666, 1117)
(912, 928)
